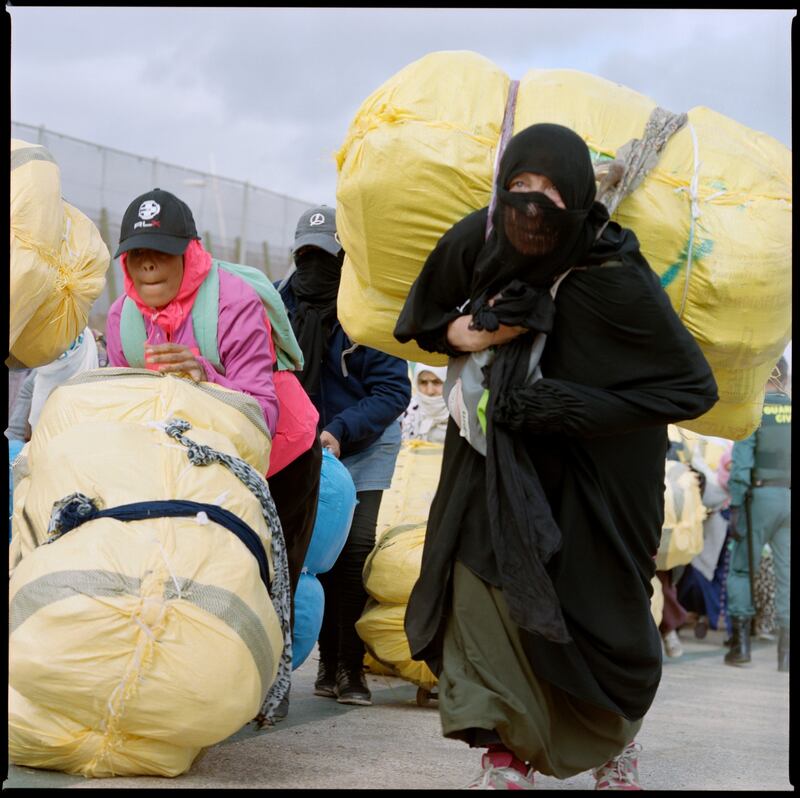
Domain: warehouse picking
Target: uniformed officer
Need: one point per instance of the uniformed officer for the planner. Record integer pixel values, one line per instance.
(760, 489)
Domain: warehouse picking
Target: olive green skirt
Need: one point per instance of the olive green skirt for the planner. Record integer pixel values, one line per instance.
(487, 683)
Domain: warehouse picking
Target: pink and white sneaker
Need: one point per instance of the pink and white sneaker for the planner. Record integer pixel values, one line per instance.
(501, 771)
(621, 772)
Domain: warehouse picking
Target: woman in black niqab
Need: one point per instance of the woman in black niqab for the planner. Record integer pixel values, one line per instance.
(533, 601)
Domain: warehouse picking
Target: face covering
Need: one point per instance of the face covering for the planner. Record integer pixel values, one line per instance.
(315, 283)
(534, 240)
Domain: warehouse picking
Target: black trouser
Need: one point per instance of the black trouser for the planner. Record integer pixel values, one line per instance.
(339, 643)
(295, 491)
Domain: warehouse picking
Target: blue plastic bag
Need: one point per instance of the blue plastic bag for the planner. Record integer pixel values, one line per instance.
(309, 604)
(337, 503)
(335, 508)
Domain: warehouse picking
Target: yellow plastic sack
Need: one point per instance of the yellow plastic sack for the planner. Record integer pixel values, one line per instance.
(713, 216)
(393, 566)
(684, 513)
(381, 628)
(57, 263)
(134, 645)
(414, 483)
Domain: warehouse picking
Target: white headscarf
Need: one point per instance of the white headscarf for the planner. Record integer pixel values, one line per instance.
(426, 417)
(81, 356)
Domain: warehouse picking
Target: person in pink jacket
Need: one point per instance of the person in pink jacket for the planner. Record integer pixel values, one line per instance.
(164, 264)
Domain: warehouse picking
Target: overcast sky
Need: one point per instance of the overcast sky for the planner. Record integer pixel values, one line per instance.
(267, 95)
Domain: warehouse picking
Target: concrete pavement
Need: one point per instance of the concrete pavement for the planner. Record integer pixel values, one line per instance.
(711, 727)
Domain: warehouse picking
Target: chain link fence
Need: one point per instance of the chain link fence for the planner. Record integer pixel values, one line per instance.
(237, 221)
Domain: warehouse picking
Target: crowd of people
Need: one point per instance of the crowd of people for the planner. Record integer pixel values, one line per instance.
(533, 605)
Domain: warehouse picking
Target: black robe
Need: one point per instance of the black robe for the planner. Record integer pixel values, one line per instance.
(618, 366)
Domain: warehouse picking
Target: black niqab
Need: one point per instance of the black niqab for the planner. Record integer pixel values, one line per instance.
(562, 156)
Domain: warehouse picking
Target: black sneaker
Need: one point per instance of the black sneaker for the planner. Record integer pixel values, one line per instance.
(325, 685)
(351, 687)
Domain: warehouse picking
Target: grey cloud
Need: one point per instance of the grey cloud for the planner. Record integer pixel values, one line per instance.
(271, 91)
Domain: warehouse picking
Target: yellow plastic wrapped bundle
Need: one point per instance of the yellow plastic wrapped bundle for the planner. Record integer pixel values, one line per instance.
(134, 645)
(393, 565)
(414, 483)
(58, 261)
(713, 215)
(684, 513)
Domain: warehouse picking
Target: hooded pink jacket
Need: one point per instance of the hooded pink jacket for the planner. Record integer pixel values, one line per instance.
(243, 338)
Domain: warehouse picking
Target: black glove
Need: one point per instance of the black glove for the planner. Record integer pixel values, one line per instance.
(733, 524)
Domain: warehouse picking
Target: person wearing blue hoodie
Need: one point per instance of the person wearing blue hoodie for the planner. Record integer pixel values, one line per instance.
(360, 394)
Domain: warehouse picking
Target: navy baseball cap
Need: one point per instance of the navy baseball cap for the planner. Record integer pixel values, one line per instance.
(157, 220)
(317, 228)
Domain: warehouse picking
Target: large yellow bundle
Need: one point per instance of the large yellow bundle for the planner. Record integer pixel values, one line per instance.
(414, 483)
(134, 645)
(684, 513)
(393, 565)
(419, 155)
(58, 261)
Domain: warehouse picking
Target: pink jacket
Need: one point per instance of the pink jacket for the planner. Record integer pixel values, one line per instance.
(243, 338)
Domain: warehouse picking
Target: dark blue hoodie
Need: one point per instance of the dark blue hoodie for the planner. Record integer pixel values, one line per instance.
(362, 390)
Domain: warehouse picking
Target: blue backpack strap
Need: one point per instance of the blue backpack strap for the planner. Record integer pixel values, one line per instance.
(132, 333)
(288, 354)
(205, 318)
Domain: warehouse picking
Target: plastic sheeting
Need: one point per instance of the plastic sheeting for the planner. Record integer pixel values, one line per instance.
(57, 263)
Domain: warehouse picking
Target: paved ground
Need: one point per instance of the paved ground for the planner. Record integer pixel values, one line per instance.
(712, 727)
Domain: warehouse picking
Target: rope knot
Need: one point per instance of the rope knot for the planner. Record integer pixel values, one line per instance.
(69, 512)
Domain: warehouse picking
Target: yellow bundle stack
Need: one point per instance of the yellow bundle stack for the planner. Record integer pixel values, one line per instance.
(390, 572)
(134, 645)
(57, 262)
(393, 566)
(713, 215)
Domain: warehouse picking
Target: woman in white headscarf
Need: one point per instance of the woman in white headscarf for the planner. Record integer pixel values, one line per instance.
(426, 417)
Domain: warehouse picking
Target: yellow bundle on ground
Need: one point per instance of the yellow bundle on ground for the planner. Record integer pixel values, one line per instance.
(713, 215)
(57, 264)
(134, 645)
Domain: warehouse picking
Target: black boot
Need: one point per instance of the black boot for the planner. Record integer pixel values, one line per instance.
(325, 685)
(351, 686)
(739, 652)
(783, 649)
